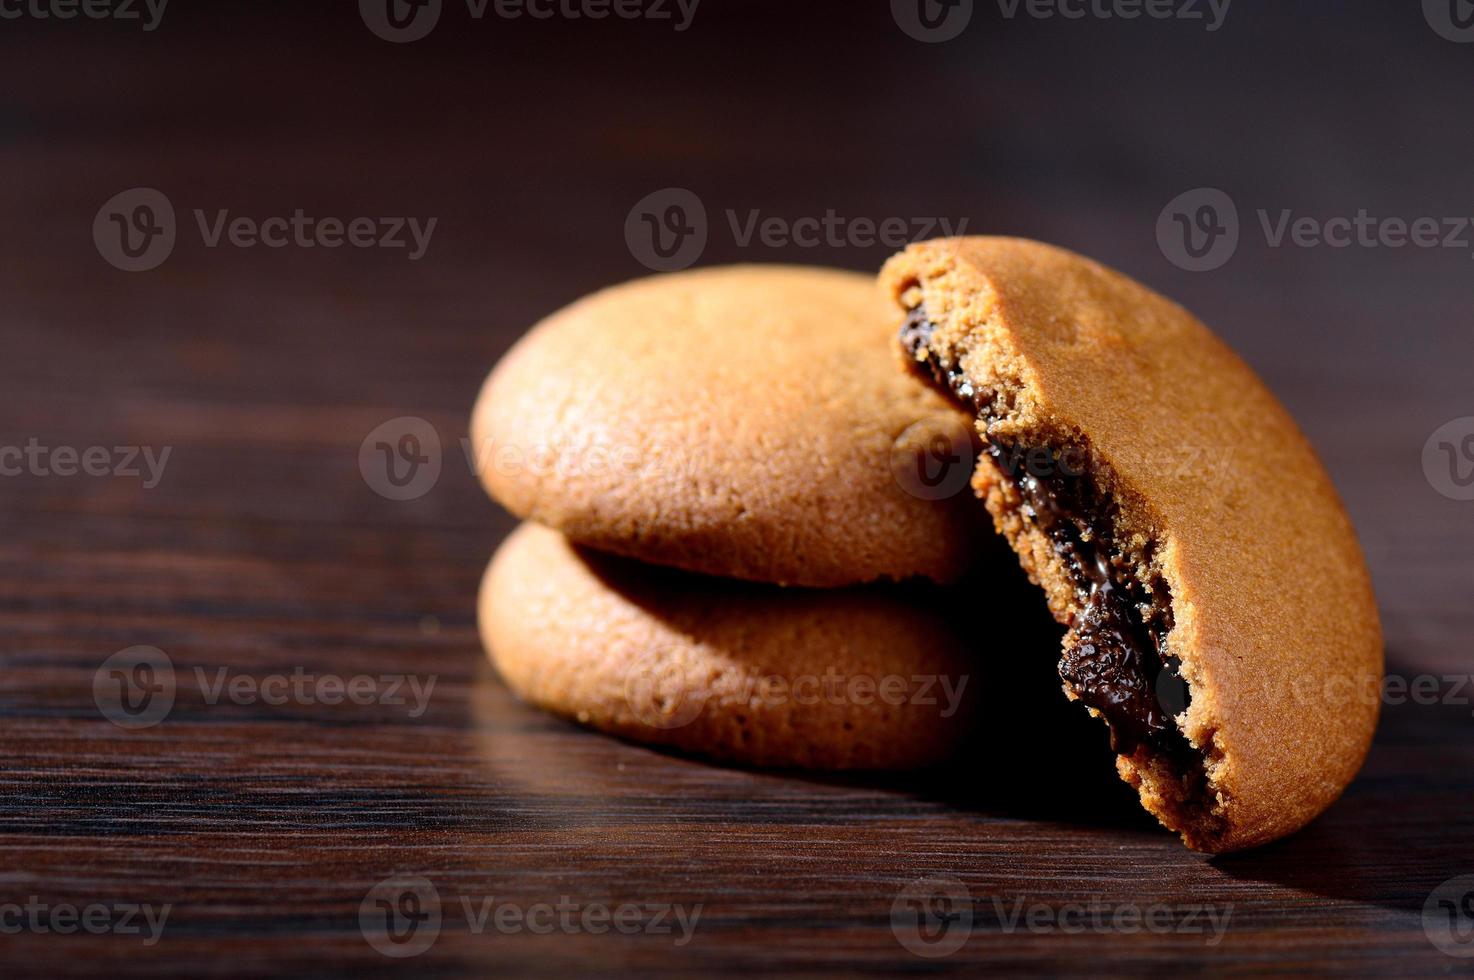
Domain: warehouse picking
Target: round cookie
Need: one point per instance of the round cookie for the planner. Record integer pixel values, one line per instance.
(829, 679)
(1220, 614)
(740, 421)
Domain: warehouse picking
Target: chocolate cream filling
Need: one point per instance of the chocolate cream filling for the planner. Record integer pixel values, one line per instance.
(1115, 658)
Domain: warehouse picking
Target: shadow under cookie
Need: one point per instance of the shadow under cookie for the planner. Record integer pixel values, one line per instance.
(1014, 748)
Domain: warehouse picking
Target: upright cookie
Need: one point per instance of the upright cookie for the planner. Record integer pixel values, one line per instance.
(739, 421)
(1220, 615)
(759, 675)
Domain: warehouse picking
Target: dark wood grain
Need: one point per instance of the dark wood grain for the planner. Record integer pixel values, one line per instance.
(263, 550)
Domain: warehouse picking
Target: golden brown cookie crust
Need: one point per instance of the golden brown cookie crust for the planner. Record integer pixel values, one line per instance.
(1275, 623)
(734, 421)
(723, 669)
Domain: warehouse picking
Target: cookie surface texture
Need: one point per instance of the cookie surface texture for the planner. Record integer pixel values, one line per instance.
(737, 421)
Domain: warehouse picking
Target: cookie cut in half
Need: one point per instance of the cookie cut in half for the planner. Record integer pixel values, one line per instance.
(861, 678)
(741, 421)
(1219, 614)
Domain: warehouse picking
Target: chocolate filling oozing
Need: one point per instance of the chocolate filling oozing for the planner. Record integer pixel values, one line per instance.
(1116, 660)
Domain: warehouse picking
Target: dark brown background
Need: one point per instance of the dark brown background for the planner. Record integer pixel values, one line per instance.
(264, 550)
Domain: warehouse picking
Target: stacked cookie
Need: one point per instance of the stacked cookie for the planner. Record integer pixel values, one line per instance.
(689, 445)
(719, 474)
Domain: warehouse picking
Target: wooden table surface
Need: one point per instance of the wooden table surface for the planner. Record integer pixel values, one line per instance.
(262, 550)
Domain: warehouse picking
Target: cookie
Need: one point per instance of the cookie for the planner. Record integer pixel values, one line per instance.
(740, 421)
(1220, 616)
(861, 678)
